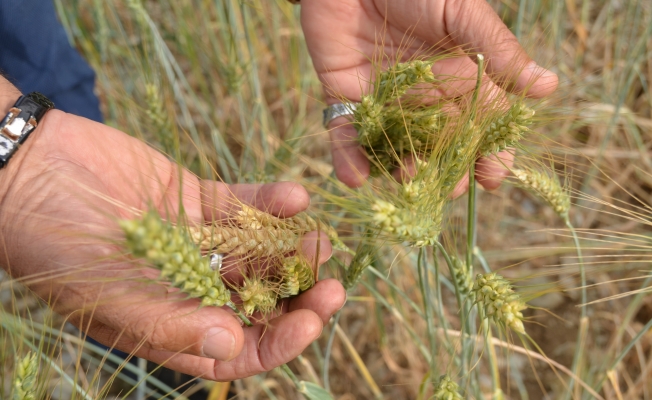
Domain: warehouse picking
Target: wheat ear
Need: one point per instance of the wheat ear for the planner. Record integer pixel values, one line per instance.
(170, 249)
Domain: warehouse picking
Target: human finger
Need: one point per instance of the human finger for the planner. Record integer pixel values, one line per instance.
(349, 158)
(474, 24)
(406, 171)
(155, 318)
(316, 248)
(265, 347)
(325, 298)
(282, 199)
(491, 171)
(461, 187)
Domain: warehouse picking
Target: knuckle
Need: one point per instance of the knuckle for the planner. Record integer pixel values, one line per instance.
(153, 331)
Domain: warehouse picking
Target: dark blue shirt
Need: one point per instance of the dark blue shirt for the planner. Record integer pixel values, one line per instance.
(35, 55)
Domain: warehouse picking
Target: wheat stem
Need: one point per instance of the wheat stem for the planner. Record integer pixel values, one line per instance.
(239, 313)
(328, 350)
(470, 217)
(462, 307)
(424, 285)
(577, 356)
(440, 302)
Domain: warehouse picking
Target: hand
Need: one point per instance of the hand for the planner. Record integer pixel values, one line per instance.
(60, 198)
(343, 36)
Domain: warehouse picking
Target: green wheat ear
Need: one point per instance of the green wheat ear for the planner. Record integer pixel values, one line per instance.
(507, 130)
(547, 188)
(361, 260)
(395, 81)
(159, 118)
(497, 300)
(406, 224)
(258, 294)
(296, 276)
(446, 389)
(170, 249)
(463, 275)
(25, 377)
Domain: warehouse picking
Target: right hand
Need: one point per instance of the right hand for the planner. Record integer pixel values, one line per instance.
(344, 35)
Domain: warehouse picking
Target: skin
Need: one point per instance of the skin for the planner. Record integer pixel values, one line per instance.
(61, 194)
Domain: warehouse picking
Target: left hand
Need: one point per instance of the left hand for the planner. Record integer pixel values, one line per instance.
(60, 198)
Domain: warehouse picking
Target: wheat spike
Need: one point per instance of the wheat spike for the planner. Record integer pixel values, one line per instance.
(257, 233)
(395, 81)
(507, 130)
(258, 294)
(408, 225)
(158, 117)
(446, 389)
(547, 188)
(362, 259)
(25, 377)
(296, 276)
(497, 300)
(463, 275)
(168, 248)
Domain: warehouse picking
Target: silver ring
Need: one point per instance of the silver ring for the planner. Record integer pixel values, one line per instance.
(216, 261)
(337, 110)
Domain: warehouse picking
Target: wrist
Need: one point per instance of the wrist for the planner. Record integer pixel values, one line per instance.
(8, 95)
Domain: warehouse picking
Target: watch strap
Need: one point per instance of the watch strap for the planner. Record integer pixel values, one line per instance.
(20, 122)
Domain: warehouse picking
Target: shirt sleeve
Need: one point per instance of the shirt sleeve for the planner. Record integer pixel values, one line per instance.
(35, 55)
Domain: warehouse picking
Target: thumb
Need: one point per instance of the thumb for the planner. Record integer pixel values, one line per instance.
(474, 25)
(150, 317)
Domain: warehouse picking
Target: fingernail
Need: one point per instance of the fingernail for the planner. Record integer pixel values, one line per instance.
(540, 72)
(219, 344)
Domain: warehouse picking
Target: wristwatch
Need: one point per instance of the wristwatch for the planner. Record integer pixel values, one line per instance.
(20, 122)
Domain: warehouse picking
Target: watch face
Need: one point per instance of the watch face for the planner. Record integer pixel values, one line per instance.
(6, 146)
